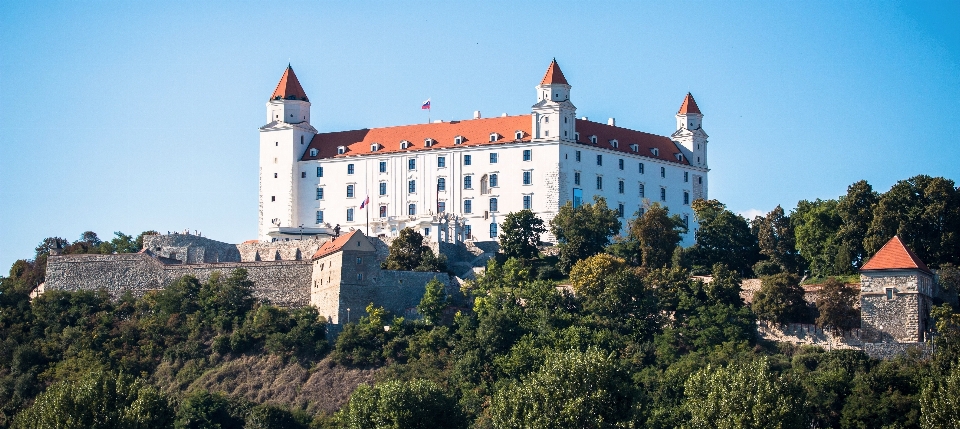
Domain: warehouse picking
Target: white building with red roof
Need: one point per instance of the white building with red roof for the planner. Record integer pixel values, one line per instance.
(456, 180)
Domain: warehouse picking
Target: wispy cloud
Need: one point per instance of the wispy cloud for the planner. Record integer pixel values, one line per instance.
(752, 213)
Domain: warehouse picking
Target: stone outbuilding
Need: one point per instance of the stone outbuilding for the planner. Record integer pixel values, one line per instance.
(896, 290)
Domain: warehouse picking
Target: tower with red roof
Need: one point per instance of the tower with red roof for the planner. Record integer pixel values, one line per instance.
(554, 116)
(896, 290)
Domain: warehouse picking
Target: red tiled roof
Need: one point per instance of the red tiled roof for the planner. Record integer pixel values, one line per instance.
(554, 75)
(334, 245)
(289, 87)
(689, 105)
(477, 132)
(895, 256)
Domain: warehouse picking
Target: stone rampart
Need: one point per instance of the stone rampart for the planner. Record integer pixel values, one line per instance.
(809, 334)
(892, 350)
(190, 249)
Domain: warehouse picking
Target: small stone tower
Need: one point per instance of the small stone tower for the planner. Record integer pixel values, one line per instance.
(283, 141)
(554, 116)
(690, 137)
(895, 295)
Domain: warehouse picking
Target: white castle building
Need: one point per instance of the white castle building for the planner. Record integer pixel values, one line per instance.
(456, 180)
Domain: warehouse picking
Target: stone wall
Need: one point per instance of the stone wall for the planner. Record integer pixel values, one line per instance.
(892, 350)
(900, 316)
(803, 333)
(190, 249)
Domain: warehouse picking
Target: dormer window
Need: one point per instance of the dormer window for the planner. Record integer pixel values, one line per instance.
(494, 137)
(458, 140)
(635, 147)
(593, 139)
(655, 151)
(341, 150)
(313, 152)
(576, 136)
(518, 135)
(404, 144)
(375, 147)
(428, 142)
(679, 157)
(614, 143)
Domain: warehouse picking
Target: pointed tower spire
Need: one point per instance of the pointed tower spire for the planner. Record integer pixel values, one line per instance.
(553, 75)
(689, 106)
(289, 87)
(895, 256)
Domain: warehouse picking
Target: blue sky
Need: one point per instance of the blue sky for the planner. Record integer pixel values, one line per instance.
(129, 116)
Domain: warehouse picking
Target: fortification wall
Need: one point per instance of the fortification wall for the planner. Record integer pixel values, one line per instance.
(804, 333)
(892, 350)
(283, 283)
(191, 249)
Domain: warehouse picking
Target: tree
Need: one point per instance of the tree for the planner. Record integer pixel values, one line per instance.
(777, 243)
(815, 225)
(780, 299)
(856, 211)
(658, 234)
(741, 396)
(589, 275)
(400, 405)
(520, 234)
(201, 409)
(583, 231)
(99, 400)
(722, 237)
(940, 401)
(433, 302)
(836, 303)
(407, 253)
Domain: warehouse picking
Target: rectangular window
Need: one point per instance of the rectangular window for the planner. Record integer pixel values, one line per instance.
(642, 193)
(383, 211)
(319, 171)
(889, 291)
(527, 202)
(576, 178)
(319, 216)
(349, 215)
(467, 159)
(383, 166)
(494, 181)
(599, 182)
(303, 174)
(412, 209)
(620, 186)
(641, 168)
(493, 230)
(642, 211)
(349, 168)
(621, 163)
(578, 156)
(599, 159)
(412, 186)
(383, 188)
(686, 221)
(527, 154)
(468, 206)
(468, 231)
(441, 161)
(441, 206)
(577, 197)
(412, 164)
(359, 276)
(426, 232)
(319, 193)
(441, 184)
(663, 194)
(359, 260)
(467, 182)
(349, 191)
(663, 172)
(493, 204)
(620, 210)
(493, 158)
(686, 197)
(686, 176)
(527, 177)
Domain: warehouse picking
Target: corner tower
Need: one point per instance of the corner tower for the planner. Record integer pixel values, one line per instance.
(554, 115)
(283, 141)
(690, 137)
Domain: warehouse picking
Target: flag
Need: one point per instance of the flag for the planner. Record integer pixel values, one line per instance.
(365, 202)
(426, 105)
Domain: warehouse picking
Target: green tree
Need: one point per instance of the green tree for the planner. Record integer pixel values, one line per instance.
(723, 237)
(572, 389)
(780, 299)
(589, 275)
(815, 225)
(202, 410)
(408, 253)
(98, 400)
(940, 401)
(267, 416)
(401, 405)
(742, 396)
(434, 301)
(583, 231)
(777, 243)
(836, 304)
(658, 234)
(520, 234)
(856, 211)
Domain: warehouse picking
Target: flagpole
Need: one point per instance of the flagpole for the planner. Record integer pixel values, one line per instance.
(368, 217)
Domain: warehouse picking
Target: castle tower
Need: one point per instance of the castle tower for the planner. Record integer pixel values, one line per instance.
(896, 290)
(689, 136)
(283, 141)
(554, 115)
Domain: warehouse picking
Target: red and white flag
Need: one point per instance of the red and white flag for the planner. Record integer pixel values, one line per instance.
(426, 105)
(365, 202)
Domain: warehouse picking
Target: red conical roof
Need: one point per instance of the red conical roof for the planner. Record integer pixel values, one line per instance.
(289, 87)
(895, 256)
(689, 106)
(554, 75)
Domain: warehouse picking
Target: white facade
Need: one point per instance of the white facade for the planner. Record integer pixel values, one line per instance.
(473, 180)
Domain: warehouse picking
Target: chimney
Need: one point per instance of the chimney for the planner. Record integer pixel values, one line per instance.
(584, 118)
(504, 115)
(476, 114)
(612, 122)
